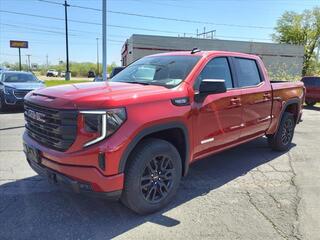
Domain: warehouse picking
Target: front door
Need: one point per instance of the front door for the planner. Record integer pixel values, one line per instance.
(218, 118)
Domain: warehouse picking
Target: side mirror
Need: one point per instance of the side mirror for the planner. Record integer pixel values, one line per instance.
(210, 86)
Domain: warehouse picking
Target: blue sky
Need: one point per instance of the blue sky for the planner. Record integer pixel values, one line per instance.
(46, 36)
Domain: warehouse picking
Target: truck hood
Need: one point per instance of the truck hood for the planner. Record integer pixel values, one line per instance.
(100, 95)
(24, 85)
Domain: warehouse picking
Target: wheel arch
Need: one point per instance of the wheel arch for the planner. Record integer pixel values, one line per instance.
(162, 131)
(291, 106)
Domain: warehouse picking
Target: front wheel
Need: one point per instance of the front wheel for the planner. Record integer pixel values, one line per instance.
(3, 105)
(152, 177)
(282, 139)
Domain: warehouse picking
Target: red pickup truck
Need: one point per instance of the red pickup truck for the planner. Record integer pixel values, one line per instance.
(134, 137)
(312, 85)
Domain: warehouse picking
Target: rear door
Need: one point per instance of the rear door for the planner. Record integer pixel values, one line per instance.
(256, 97)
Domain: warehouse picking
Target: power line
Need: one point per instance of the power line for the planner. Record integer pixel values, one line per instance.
(109, 25)
(187, 20)
(48, 17)
(166, 18)
(94, 23)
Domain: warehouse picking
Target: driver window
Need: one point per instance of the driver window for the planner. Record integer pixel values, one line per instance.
(217, 68)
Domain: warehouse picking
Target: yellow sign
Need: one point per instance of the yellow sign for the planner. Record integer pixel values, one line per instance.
(18, 44)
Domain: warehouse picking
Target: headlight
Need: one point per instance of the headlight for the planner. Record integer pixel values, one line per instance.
(103, 123)
(8, 90)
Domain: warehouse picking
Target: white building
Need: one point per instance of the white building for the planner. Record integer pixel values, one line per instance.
(277, 57)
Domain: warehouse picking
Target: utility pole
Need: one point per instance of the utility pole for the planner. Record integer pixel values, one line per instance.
(20, 59)
(104, 39)
(29, 67)
(67, 77)
(97, 57)
(47, 61)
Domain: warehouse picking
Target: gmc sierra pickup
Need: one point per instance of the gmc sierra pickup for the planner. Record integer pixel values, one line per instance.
(134, 137)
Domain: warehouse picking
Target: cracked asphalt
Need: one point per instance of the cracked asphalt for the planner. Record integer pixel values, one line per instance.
(248, 192)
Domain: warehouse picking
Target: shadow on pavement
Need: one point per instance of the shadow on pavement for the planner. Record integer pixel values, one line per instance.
(32, 209)
(316, 108)
(12, 110)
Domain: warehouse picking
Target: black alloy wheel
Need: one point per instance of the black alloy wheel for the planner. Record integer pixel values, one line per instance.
(152, 176)
(287, 131)
(157, 179)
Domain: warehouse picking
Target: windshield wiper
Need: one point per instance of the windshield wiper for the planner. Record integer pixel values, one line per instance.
(137, 82)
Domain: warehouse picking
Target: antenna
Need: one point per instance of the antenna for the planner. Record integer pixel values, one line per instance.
(195, 50)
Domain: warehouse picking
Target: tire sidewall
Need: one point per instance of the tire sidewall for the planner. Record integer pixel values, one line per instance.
(279, 142)
(146, 151)
(2, 103)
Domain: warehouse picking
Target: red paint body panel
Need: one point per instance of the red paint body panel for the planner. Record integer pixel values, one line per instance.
(312, 85)
(256, 113)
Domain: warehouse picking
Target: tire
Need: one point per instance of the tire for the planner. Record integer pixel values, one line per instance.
(159, 164)
(3, 105)
(310, 103)
(282, 139)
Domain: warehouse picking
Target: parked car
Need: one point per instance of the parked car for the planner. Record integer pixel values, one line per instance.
(134, 137)
(14, 86)
(3, 69)
(52, 73)
(91, 74)
(312, 85)
(62, 74)
(115, 71)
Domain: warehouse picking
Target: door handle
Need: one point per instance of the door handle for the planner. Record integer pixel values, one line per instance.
(235, 101)
(267, 95)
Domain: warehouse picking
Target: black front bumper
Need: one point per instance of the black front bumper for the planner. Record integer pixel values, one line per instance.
(71, 184)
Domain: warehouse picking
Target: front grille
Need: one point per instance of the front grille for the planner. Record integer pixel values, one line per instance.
(20, 93)
(56, 129)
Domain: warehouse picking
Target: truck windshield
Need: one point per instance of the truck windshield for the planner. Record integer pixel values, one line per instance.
(168, 71)
(19, 77)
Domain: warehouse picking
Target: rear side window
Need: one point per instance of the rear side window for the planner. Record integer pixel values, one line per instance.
(247, 72)
(311, 81)
(217, 68)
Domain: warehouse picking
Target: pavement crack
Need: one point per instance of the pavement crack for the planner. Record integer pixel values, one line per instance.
(274, 226)
(295, 227)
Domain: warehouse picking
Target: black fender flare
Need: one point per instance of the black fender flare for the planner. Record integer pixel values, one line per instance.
(288, 102)
(154, 129)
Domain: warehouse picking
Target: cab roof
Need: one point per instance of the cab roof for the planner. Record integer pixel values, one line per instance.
(206, 54)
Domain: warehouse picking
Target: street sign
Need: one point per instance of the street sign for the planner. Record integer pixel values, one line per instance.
(18, 44)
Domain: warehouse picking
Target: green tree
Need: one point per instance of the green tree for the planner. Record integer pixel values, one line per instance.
(111, 66)
(302, 29)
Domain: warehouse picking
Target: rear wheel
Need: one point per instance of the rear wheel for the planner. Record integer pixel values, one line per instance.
(282, 139)
(310, 103)
(152, 177)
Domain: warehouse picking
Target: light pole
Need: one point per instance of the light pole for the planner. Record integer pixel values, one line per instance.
(97, 56)
(29, 67)
(104, 39)
(67, 77)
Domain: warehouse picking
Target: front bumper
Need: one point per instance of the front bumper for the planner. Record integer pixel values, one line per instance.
(80, 179)
(76, 186)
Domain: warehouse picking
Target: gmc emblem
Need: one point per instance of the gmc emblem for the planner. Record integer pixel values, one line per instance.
(35, 115)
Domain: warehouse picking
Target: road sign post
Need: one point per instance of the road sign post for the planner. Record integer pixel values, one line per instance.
(19, 45)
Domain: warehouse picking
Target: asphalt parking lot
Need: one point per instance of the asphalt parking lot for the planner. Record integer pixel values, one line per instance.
(248, 192)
